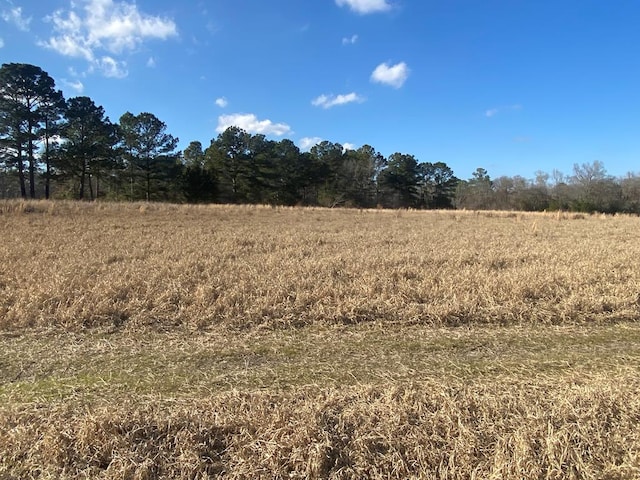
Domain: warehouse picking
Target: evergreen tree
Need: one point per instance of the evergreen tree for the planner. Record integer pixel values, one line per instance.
(150, 155)
(87, 151)
(27, 98)
(399, 181)
(437, 185)
(229, 157)
(199, 182)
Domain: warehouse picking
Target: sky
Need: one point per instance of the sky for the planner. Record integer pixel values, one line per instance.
(512, 86)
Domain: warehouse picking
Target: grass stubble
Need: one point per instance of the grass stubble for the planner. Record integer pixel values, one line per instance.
(161, 341)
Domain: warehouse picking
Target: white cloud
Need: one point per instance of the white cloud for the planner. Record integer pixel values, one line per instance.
(492, 112)
(348, 146)
(151, 62)
(365, 6)
(350, 40)
(69, 46)
(328, 101)
(222, 102)
(250, 123)
(394, 75)
(101, 26)
(306, 143)
(57, 139)
(77, 85)
(111, 67)
(14, 15)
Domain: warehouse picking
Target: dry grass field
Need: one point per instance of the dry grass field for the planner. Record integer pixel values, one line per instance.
(144, 341)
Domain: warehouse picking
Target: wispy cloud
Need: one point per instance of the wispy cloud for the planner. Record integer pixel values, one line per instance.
(77, 86)
(328, 101)
(350, 40)
(250, 123)
(492, 112)
(110, 67)
(222, 102)
(14, 16)
(72, 71)
(392, 75)
(306, 143)
(212, 27)
(102, 29)
(364, 7)
(151, 62)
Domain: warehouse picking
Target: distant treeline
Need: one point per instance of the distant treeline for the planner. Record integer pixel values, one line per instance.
(52, 147)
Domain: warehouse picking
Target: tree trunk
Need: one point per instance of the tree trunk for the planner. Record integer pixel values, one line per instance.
(83, 175)
(47, 174)
(32, 163)
(23, 188)
(91, 197)
(131, 183)
(148, 179)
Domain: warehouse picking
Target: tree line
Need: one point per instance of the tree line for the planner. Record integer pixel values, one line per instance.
(52, 147)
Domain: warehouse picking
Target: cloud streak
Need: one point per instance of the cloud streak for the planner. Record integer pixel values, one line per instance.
(350, 40)
(77, 86)
(329, 101)
(364, 7)
(492, 112)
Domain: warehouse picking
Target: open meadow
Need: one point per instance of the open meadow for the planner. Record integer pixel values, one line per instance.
(144, 341)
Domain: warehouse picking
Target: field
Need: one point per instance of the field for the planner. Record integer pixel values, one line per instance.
(145, 341)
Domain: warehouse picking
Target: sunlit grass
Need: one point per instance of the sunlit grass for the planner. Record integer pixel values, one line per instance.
(41, 366)
(168, 341)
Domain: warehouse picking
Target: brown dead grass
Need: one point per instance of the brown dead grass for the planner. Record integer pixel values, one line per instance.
(77, 266)
(148, 341)
(419, 430)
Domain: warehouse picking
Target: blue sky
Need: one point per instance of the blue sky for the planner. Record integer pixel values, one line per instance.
(513, 86)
